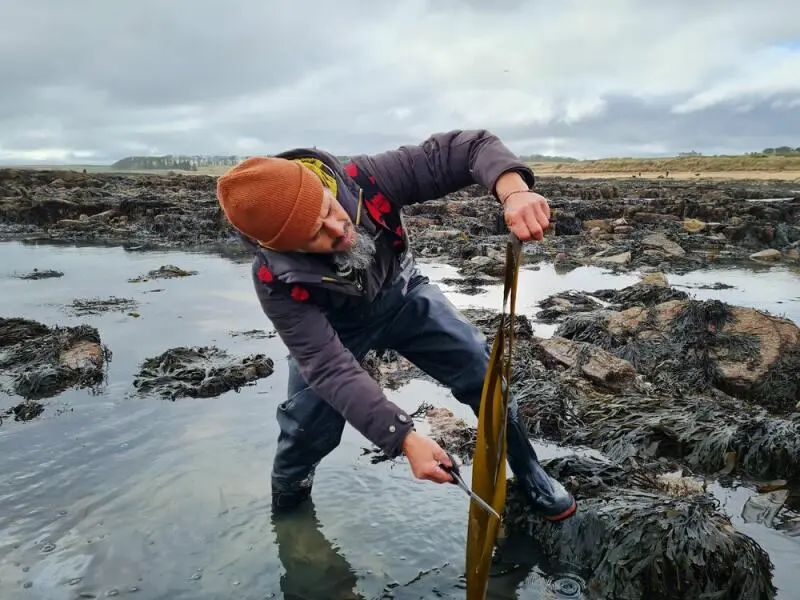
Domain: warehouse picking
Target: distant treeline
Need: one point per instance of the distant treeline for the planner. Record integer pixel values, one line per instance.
(195, 163)
(543, 158)
(175, 162)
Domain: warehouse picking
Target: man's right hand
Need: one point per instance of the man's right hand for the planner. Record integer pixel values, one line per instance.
(424, 455)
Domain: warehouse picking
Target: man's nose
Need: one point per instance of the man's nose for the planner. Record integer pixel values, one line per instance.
(335, 227)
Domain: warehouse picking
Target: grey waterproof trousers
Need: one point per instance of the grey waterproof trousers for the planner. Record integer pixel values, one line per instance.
(424, 327)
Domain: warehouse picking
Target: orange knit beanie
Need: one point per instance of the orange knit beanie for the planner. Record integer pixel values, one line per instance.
(273, 200)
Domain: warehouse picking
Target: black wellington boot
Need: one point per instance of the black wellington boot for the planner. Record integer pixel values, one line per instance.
(287, 497)
(546, 495)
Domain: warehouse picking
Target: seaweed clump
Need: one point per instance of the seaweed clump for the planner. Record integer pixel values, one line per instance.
(199, 372)
(163, 272)
(692, 346)
(594, 402)
(39, 362)
(640, 532)
(636, 537)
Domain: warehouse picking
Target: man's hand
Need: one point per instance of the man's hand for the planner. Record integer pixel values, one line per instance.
(424, 455)
(527, 215)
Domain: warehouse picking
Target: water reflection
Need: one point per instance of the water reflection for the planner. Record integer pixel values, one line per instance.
(313, 568)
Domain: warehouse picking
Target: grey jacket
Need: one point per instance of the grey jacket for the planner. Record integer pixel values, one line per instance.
(302, 295)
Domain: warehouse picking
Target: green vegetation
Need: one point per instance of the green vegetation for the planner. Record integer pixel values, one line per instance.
(172, 162)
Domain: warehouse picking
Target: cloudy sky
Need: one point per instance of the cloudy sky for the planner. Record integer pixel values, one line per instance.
(91, 81)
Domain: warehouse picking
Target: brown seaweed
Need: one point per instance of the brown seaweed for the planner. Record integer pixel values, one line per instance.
(199, 372)
(39, 361)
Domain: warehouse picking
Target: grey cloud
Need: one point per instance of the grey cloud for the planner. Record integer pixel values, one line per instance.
(205, 76)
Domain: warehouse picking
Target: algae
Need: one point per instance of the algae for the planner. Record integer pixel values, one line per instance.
(199, 372)
(38, 361)
(632, 539)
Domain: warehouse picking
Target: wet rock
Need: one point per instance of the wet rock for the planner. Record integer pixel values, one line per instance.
(691, 345)
(623, 258)
(199, 372)
(629, 532)
(770, 254)
(660, 241)
(470, 286)
(95, 306)
(693, 226)
(658, 279)
(601, 224)
(45, 274)
(556, 307)
(163, 272)
(634, 523)
(38, 361)
(597, 365)
(670, 412)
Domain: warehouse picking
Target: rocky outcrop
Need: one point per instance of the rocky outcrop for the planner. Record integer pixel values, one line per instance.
(199, 372)
(38, 361)
(666, 225)
(638, 532)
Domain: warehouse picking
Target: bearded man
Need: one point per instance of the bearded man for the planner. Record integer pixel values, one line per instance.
(334, 274)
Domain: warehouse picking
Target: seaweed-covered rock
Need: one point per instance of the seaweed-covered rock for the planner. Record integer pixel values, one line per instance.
(163, 272)
(691, 345)
(639, 532)
(632, 223)
(634, 537)
(44, 274)
(199, 372)
(38, 361)
(702, 428)
(94, 306)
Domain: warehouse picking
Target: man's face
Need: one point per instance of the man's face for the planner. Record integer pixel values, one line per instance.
(334, 231)
(352, 247)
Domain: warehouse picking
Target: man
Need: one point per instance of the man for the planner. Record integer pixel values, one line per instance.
(334, 274)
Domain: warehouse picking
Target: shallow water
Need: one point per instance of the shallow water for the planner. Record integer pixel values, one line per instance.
(111, 494)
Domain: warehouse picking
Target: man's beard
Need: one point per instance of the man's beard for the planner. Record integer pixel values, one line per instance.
(359, 257)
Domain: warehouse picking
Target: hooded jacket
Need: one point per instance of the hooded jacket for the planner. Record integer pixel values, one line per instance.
(300, 293)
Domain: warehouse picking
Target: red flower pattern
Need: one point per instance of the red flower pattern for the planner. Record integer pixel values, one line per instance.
(300, 293)
(265, 275)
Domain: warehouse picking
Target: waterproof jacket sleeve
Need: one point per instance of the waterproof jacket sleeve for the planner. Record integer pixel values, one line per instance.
(330, 369)
(444, 163)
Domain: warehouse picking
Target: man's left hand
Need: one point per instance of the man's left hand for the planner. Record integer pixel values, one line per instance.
(527, 215)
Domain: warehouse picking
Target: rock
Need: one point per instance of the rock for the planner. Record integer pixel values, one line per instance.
(601, 224)
(199, 372)
(627, 507)
(82, 355)
(623, 229)
(648, 217)
(37, 361)
(597, 365)
(617, 259)
(693, 226)
(655, 278)
(660, 241)
(775, 338)
(481, 261)
(770, 254)
(754, 355)
(45, 274)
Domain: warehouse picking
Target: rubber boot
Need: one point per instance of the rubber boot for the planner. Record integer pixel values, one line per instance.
(286, 498)
(546, 495)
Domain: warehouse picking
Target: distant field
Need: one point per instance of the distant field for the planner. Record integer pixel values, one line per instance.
(786, 168)
(682, 167)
